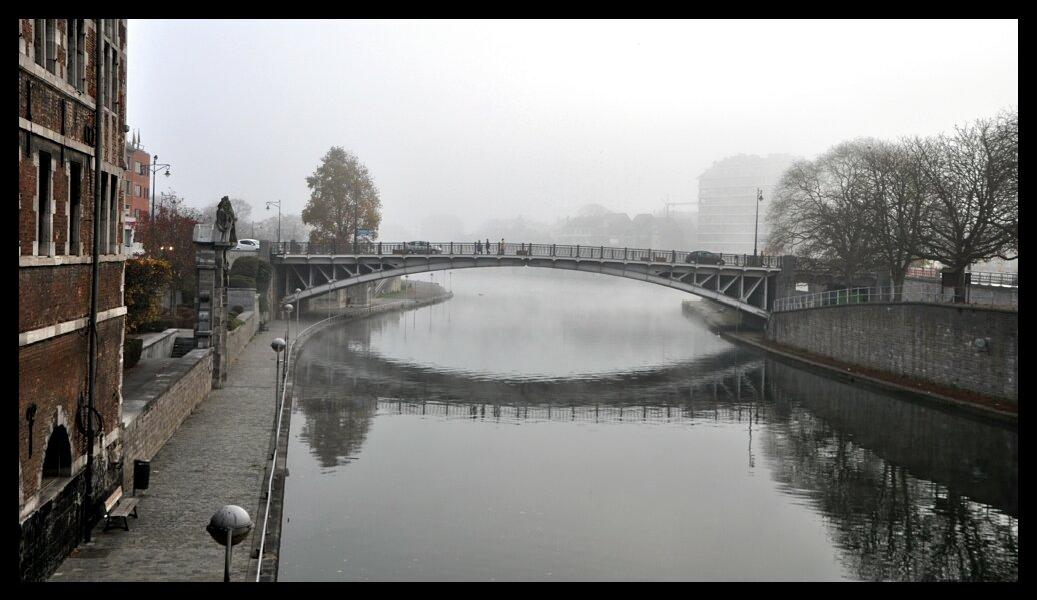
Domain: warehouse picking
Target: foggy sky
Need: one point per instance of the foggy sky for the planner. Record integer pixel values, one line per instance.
(493, 119)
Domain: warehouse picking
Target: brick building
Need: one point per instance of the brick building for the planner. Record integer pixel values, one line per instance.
(57, 62)
(138, 194)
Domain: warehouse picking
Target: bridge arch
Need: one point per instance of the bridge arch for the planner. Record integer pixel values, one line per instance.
(747, 289)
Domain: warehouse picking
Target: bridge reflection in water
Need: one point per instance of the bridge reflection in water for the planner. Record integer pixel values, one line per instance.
(909, 492)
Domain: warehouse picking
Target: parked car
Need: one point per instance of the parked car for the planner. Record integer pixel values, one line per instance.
(422, 248)
(703, 257)
(248, 245)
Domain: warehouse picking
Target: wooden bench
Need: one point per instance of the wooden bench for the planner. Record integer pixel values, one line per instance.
(117, 507)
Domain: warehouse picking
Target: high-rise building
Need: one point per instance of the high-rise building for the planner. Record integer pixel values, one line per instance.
(728, 201)
(58, 492)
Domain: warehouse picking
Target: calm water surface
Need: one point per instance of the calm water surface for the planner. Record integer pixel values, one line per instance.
(569, 426)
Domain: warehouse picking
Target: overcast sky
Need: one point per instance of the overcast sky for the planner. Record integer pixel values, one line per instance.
(490, 119)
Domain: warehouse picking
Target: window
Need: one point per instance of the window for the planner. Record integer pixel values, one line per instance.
(39, 44)
(113, 217)
(70, 51)
(137, 191)
(143, 169)
(107, 87)
(136, 166)
(75, 203)
(43, 201)
(103, 242)
(52, 46)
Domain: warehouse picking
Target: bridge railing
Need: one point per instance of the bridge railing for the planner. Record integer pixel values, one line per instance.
(884, 295)
(650, 255)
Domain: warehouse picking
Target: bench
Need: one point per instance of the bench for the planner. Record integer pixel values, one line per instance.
(117, 507)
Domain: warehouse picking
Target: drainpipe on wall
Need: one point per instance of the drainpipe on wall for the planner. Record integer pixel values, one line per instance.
(92, 373)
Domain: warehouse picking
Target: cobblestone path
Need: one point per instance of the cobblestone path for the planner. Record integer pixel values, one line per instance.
(215, 458)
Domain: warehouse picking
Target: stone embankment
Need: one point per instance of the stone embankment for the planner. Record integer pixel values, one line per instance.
(936, 337)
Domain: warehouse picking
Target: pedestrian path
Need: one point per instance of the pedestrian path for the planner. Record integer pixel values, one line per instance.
(215, 458)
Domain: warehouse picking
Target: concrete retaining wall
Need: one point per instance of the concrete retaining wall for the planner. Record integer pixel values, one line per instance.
(239, 338)
(931, 342)
(160, 345)
(145, 435)
(243, 297)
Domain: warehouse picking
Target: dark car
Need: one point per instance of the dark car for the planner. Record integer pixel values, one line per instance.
(702, 257)
(422, 248)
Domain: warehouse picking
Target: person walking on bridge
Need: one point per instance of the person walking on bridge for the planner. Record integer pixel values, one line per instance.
(502, 246)
(478, 247)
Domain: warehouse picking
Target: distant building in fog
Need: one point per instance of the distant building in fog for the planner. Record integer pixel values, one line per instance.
(727, 201)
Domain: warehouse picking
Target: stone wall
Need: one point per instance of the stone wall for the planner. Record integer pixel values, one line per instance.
(239, 338)
(936, 343)
(145, 435)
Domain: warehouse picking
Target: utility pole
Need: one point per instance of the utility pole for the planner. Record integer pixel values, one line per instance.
(756, 229)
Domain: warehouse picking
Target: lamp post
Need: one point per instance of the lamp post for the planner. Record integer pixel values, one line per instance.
(155, 168)
(277, 345)
(287, 322)
(276, 203)
(297, 290)
(229, 527)
(756, 228)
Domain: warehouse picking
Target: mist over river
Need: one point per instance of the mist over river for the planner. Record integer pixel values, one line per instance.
(545, 425)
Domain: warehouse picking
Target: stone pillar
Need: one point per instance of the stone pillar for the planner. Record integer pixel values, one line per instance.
(210, 330)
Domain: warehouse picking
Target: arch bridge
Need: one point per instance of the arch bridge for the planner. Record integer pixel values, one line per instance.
(745, 282)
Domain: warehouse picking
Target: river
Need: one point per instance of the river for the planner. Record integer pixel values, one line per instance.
(546, 425)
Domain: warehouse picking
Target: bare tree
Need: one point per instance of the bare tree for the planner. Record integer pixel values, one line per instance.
(899, 206)
(821, 213)
(974, 180)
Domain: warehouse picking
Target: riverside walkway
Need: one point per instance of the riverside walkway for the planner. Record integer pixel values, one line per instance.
(216, 457)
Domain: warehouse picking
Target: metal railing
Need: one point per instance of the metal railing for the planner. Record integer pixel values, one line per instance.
(649, 255)
(285, 376)
(975, 277)
(882, 295)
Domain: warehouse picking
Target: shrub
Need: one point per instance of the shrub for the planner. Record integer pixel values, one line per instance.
(237, 309)
(143, 277)
(242, 281)
(250, 266)
(185, 318)
(131, 351)
(233, 323)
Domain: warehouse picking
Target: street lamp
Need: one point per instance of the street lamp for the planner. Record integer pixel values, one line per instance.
(756, 229)
(287, 321)
(277, 345)
(155, 167)
(229, 527)
(278, 204)
(298, 312)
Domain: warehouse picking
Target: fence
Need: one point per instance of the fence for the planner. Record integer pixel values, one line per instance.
(523, 249)
(975, 277)
(887, 295)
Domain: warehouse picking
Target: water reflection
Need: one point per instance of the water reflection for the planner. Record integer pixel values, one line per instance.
(903, 491)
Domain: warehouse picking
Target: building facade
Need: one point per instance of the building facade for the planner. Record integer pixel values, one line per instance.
(57, 131)
(728, 201)
(138, 195)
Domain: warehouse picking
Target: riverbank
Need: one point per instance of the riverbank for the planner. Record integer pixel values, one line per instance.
(729, 327)
(215, 457)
